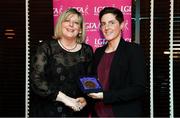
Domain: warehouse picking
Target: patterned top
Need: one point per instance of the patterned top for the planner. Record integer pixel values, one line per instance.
(54, 69)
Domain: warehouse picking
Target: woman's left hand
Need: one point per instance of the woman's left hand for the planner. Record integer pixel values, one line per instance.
(82, 102)
(98, 95)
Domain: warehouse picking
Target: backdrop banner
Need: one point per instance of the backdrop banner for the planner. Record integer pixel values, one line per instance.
(90, 10)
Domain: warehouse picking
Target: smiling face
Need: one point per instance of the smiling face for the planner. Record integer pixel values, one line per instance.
(70, 26)
(110, 27)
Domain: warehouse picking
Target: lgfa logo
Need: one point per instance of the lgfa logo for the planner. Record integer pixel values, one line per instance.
(83, 10)
(92, 26)
(97, 9)
(125, 9)
(57, 11)
(100, 41)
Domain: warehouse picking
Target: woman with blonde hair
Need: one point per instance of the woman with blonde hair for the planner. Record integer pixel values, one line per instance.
(56, 68)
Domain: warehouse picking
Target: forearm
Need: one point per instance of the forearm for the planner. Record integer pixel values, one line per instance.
(43, 89)
(75, 104)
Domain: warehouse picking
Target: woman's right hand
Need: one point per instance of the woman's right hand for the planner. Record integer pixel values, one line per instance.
(98, 95)
(68, 101)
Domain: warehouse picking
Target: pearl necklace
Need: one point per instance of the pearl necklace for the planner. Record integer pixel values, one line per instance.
(67, 48)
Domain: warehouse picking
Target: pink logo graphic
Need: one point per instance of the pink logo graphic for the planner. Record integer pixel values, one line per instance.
(90, 10)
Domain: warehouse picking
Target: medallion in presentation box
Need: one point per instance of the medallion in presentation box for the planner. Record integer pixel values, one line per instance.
(90, 84)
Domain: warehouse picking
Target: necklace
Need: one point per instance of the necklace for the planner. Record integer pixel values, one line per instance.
(68, 49)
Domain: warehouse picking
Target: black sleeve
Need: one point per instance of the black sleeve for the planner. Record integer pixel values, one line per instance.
(39, 73)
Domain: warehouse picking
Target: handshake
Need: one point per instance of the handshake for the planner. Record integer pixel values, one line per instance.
(77, 104)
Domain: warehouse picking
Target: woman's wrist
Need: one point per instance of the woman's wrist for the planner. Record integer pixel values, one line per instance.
(61, 97)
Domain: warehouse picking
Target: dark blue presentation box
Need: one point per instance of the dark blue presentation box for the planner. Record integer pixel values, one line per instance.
(90, 85)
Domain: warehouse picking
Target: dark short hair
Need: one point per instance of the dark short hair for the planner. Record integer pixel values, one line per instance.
(114, 11)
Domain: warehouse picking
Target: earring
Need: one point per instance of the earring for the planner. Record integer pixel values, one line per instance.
(80, 34)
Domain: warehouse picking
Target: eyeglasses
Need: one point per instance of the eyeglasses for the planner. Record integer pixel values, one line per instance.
(109, 24)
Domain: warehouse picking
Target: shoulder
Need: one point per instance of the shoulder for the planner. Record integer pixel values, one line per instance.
(134, 50)
(131, 46)
(47, 42)
(87, 47)
(100, 49)
(46, 45)
(136, 47)
(87, 51)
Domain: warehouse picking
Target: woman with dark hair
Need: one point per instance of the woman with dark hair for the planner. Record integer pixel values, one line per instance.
(120, 68)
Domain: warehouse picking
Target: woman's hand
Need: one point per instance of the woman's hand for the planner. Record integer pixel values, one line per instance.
(82, 102)
(98, 95)
(70, 102)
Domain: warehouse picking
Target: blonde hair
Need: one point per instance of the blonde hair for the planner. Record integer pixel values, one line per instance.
(58, 32)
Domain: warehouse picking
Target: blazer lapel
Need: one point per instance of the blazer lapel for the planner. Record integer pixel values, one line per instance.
(118, 58)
